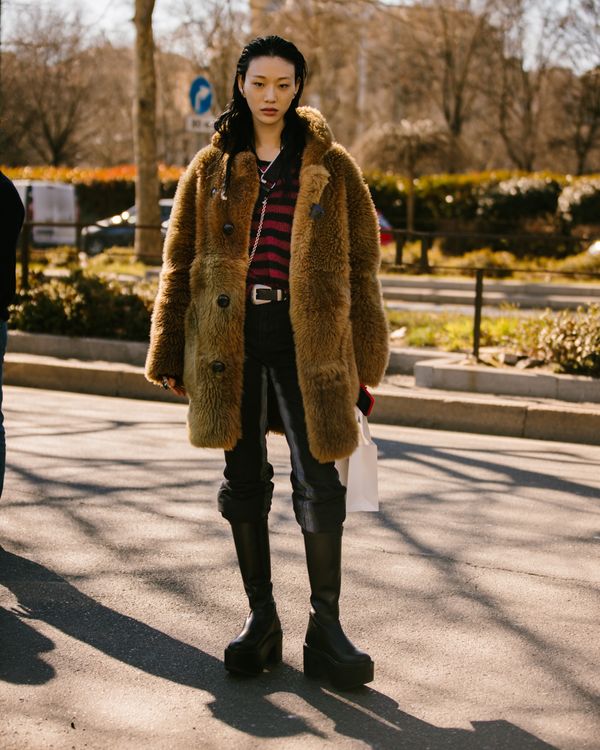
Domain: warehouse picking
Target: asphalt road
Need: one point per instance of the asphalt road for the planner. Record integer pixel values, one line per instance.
(475, 589)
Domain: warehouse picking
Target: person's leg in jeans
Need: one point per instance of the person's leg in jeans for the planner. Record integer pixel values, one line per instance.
(245, 500)
(3, 338)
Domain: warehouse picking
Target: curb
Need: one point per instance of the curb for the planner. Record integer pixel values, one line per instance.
(450, 374)
(401, 407)
(95, 378)
(523, 419)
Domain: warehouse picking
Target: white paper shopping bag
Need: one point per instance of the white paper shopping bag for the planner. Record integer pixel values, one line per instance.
(358, 472)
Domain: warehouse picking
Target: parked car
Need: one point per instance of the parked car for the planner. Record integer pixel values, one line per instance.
(119, 230)
(49, 201)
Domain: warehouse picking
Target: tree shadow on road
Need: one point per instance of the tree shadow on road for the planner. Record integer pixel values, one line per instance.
(460, 464)
(249, 706)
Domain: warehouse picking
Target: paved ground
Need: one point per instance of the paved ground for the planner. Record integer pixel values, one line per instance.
(475, 590)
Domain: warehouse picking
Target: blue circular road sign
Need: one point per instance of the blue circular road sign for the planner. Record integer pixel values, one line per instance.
(200, 95)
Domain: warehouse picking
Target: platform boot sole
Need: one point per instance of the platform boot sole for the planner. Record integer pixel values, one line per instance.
(342, 676)
(254, 661)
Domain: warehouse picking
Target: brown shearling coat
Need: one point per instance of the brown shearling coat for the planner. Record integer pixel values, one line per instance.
(336, 309)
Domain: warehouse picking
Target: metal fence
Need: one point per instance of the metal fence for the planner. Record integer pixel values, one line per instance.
(26, 236)
(423, 266)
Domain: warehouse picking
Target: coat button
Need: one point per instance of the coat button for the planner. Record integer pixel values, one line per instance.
(217, 366)
(228, 228)
(223, 300)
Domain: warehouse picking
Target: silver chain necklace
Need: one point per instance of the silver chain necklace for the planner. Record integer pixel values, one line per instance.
(264, 172)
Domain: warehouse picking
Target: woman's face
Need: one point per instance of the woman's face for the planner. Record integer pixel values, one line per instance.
(269, 88)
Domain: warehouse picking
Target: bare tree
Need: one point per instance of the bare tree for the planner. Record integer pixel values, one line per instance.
(403, 147)
(450, 44)
(577, 111)
(110, 138)
(582, 100)
(585, 16)
(534, 35)
(147, 241)
(47, 87)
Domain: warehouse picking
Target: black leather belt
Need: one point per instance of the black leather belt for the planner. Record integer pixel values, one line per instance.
(260, 294)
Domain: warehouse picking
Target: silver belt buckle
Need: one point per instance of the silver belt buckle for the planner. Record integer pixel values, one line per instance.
(253, 294)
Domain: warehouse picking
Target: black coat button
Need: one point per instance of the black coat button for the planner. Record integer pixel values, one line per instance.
(228, 228)
(217, 366)
(223, 300)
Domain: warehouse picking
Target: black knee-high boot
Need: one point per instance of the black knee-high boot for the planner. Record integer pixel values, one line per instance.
(259, 643)
(327, 650)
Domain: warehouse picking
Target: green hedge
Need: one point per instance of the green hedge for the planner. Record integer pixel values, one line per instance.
(495, 203)
(488, 197)
(82, 305)
(517, 199)
(579, 203)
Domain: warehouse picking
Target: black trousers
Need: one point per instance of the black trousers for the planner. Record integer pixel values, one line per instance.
(318, 497)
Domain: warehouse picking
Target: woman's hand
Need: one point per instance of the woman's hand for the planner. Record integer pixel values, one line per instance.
(178, 390)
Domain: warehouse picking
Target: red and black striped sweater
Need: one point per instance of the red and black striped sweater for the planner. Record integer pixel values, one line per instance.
(271, 262)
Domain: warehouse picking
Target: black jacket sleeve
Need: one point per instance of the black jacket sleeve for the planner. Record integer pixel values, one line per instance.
(12, 214)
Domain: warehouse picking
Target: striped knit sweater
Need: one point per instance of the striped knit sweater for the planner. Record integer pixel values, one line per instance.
(271, 262)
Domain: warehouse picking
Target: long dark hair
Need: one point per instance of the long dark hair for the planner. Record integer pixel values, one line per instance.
(235, 123)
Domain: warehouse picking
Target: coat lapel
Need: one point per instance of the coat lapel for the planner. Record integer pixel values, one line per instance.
(313, 180)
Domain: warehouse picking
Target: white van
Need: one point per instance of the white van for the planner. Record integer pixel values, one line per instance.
(49, 201)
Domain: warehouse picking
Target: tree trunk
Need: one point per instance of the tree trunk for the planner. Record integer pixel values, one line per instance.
(410, 200)
(147, 241)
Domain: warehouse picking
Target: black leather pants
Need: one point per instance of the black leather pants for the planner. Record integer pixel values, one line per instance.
(319, 499)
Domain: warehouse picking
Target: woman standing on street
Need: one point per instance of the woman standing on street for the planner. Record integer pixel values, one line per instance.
(268, 317)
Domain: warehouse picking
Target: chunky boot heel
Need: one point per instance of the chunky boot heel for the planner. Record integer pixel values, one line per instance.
(313, 666)
(260, 642)
(328, 651)
(342, 676)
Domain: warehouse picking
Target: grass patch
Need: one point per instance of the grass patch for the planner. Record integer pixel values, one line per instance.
(453, 332)
(108, 264)
(568, 341)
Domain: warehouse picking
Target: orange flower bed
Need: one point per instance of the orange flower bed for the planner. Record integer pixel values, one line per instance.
(88, 175)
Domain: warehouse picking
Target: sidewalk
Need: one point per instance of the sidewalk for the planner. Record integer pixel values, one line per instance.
(443, 290)
(475, 590)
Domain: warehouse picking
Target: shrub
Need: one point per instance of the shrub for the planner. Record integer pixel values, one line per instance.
(452, 196)
(80, 305)
(499, 202)
(579, 203)
(571, 340)
(518, 198)
(501, 261)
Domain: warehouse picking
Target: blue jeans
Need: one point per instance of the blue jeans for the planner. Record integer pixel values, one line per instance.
(318, 497)
(3, 337)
